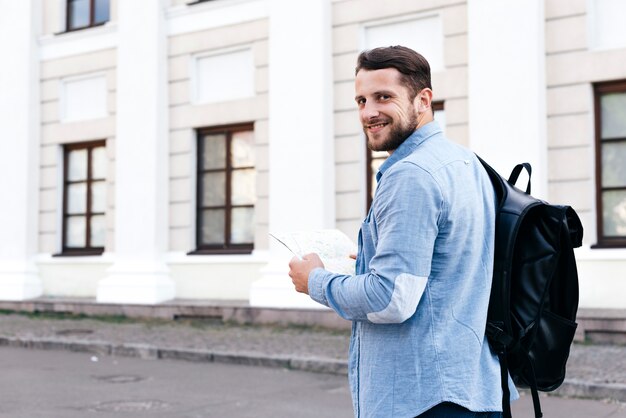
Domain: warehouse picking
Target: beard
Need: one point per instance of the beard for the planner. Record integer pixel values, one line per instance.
(398, 133)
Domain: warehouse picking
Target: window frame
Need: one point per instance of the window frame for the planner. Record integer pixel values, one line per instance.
(599, 89)
(91, 24)
(87, 250)
(436, 106)
(227, 247)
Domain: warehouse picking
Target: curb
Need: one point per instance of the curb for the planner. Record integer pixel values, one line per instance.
(581, 389)
(570, 388)
(149, 352)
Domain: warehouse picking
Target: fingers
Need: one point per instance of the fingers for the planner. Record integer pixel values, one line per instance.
(299, 270)
(293, 261)
(313, 260)
(292, 266)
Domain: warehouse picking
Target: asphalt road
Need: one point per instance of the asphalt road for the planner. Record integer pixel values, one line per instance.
(60, 384)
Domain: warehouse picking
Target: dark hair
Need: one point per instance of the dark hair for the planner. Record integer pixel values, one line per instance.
(413, 67)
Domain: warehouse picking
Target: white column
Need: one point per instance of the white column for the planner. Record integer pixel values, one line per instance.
(19, 148)
(507, 86)
(139, 274)
(301, 176)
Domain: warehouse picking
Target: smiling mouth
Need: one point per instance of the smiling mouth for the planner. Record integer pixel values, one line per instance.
(377, 126)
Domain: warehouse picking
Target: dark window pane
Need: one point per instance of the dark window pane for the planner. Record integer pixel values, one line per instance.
(97, 225)
(77, 198)
(614, 213)
(213, 226)
(614, 164)
(75, 232)
(242, 226)
(613, 108)
(226, 189)
(440, 117)
(242, 149)
(85, 199)
(77, 165)
(78, 13)
(214, 152)
(98, 163)
(98, 196)
(214, 189)
(378, 158)
(101, 12)
(243, 187)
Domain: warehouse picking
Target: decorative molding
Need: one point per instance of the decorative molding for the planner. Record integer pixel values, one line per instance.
(433, 48)
(63, 99)
(586, 253)
(78, 42)
(180, 20)
(192, 18)
(49, 259)
(194, 84)
(179, 257)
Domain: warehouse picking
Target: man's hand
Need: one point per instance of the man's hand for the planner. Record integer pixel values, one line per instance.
(299, 271)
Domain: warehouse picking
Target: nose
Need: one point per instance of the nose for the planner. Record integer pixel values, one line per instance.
(369, 111)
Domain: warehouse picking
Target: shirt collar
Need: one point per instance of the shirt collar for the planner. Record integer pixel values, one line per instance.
(409, 145)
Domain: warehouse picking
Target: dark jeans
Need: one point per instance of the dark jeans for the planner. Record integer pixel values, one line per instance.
(451, 410)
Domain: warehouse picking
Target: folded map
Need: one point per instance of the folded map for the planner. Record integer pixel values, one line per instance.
(333, 246)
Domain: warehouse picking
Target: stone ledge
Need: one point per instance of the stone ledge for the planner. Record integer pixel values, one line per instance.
(238, 312)
(604, 326)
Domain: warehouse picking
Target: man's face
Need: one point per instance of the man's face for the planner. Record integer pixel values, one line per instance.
(387, 114)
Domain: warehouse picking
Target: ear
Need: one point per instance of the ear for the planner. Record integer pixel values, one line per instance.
(423, 100)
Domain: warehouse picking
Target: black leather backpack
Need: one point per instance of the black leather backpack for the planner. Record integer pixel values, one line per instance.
(534, 294)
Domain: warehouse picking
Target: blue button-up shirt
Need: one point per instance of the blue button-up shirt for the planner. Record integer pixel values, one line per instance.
(419, 299)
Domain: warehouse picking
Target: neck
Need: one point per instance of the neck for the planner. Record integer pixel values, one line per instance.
(425, 118)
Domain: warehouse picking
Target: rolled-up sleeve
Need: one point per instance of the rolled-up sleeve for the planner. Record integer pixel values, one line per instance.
(407, 211)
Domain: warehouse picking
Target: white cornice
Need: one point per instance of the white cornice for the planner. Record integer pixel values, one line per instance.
(78, 42)
(202, 16)
(586, 253)
(180, 19)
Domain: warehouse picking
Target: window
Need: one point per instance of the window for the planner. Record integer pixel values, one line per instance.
(86, 13)
(226, 190)
(376, 158)
(610, 113)
(84, 198)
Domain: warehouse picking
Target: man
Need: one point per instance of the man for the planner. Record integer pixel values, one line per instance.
(419, 300)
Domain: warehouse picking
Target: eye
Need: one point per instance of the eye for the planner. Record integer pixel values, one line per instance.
(384, 97)
(360, 101)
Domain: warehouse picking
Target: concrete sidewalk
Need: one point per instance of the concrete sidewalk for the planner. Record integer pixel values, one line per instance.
(594, 371)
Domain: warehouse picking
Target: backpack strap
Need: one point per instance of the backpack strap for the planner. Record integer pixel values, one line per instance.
(516, 172)
(574, 227)
(504, 382)
(533, 388)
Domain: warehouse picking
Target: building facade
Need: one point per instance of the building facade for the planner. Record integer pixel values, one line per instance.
(148, 148)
